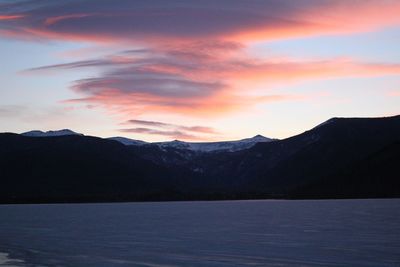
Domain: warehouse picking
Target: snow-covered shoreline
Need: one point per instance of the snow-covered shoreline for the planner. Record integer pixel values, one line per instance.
(6, 261)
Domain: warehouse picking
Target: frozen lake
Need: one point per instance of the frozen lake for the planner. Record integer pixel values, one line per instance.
(225, 233)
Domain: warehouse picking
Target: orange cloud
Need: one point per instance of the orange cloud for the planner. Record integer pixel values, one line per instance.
(326, 18)
(10, 17)
(134, 104)
(293, 71)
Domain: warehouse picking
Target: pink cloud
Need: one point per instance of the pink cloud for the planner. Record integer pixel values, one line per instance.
(192, 59)
(202, 80)
(172, 134)
(167, 129)
(198, 129)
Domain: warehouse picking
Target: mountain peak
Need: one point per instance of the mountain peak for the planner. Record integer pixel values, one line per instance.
(257, 138)
(260, 138)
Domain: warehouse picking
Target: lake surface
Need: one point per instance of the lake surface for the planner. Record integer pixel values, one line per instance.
(221, 233)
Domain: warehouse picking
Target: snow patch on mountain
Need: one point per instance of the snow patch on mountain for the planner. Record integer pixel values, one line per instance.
(216, 146)
(37, 133)
(128, 141)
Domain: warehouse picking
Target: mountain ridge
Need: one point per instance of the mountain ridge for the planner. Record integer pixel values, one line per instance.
(231, 146)
(346, 158)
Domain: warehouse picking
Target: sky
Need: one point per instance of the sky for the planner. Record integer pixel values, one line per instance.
(205, 70)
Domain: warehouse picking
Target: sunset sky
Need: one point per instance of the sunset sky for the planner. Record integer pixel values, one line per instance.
(196, 70)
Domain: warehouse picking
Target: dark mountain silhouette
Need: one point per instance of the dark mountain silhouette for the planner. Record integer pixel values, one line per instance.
(280, 167)
(77, 168)
(341, 158)
(377, 175)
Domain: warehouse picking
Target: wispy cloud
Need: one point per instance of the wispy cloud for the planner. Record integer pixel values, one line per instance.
(205, 80)
(170, 130)
(58, 19)
(198, 129)
(10, 17)
(171, 134)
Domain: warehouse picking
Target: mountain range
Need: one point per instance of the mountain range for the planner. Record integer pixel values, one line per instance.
(194, 146)
(340, 158)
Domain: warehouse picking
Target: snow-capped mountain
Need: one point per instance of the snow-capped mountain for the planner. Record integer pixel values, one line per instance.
(216, 146)
(230, 146)
(363, 150)
(37, 133)
(200, 146)
(128, 141)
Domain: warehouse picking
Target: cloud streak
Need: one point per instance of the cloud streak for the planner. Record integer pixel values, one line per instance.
(170, 130)
(198, 129)
(10, 17)
(171, 134)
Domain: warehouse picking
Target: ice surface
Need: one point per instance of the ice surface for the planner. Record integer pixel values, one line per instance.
(213, 234)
